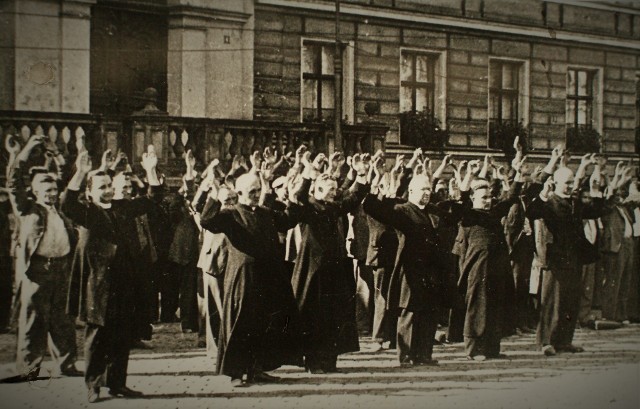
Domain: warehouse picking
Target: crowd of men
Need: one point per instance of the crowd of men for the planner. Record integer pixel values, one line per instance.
(281, 245)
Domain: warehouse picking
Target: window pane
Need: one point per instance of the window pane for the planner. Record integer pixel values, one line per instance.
(406, 67)
(328, 52)
(310, 94)
(509, 80)
(423, 99)
(405, 99)
(571, 84)
(423, 68)
(583, 83)
(309, 59)
(582, 112)
(328, 94)
(570, 111)
(494, 107)
(508, 108)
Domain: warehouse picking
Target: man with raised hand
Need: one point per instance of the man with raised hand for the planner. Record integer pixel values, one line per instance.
(259, 329)
(45, 242)
(562, 213)
(107, 294)
(417, 282)
(323, 281)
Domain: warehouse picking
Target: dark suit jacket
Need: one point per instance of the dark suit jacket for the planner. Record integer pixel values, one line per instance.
(563, 218)
(613, 223)
(417, 281)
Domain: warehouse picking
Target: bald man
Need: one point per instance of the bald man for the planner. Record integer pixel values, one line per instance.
(418, 274)
(562, 213)
(42, 266)
(259, 315)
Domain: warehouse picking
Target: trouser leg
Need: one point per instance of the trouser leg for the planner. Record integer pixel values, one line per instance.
(416, 331)
(365, 294)
(95, 355)
(118, 363)
(62, 329)
(561, 305)
(611, 285)
(379, 332)
(33, 322)
(626, 265)
(633, 307)
(188, 297)
(549, 300)
(169, 292)
(6, 289)
(212, 316)
(586, 295)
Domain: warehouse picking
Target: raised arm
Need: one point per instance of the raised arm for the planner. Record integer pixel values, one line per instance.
(71, 206)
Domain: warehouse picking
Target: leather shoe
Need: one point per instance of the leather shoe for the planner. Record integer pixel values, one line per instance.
(548, 350)
(263, 377)
(426, 362)
(71, 372)
(570, 348)
(124, 391)
(93, 395)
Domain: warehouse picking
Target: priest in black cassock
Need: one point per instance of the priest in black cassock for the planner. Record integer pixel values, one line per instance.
(323, 280)
(259, 316)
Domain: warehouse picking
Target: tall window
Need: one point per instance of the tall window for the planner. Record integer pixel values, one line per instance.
(580, 97)
(507, 105)
(638, 114)
(318, 76)
(417, 81)
(504, 90)
(582, 111)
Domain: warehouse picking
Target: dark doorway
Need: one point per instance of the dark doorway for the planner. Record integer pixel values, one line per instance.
(128, 55)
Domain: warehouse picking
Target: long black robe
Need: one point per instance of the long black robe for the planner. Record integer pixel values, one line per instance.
(260, 321)
(485, 275)
(323, 280)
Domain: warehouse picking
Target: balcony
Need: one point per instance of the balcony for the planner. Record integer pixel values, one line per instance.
(172, 136)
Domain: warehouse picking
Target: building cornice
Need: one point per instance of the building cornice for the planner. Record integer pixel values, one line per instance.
(203, 13)
(597, 6)
(457, 23)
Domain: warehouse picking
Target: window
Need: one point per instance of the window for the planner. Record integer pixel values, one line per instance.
(638, 114)
(508, 105)
(318, 81)
(422, 98)
(583, 115)
(318, 78)
(580, 92)
(417, 81)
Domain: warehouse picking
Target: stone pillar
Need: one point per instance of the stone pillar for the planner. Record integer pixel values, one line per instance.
(47, 55)
(210, 59)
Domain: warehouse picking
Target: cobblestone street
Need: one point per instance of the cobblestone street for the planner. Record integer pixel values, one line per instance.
(607, 375)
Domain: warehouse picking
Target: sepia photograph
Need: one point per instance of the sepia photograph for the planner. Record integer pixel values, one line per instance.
(320, 204)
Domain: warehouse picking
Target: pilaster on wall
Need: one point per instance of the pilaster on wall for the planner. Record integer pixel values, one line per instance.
(210, 60)
(47, 55)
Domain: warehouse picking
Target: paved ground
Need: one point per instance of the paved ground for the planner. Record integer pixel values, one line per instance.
(606, 376)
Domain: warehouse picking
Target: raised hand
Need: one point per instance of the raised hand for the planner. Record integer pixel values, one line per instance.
(300, 152)
(190, 160)
(11, 145)
(83, 163)
(149, 159)
(547, 188)
(255, 159)
(336, 159)
(417, 155)
(107, 160)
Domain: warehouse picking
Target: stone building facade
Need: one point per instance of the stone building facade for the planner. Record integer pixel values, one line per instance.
(551, 67)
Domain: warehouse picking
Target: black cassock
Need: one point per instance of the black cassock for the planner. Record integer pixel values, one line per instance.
(259, 328)
(323, 280)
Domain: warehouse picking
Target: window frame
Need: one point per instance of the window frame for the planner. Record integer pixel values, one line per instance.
(523, 91)
(319, 77)
(348, 75)
(597, 92)
(414, 84)
(439, 80)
